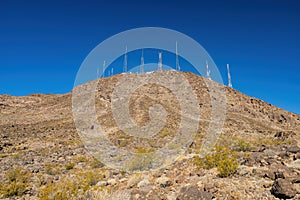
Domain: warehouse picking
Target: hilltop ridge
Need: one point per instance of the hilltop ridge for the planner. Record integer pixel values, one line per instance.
(39, 141)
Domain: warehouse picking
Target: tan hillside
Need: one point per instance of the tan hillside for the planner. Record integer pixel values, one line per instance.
(42, 156)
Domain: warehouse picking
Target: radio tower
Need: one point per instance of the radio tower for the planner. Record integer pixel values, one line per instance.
(142, 62)
(112, 71)
(160, 61)
(207, 71)
(177, 60)
(97, 73)
(125, 61)
(103, 70)
(229, 77)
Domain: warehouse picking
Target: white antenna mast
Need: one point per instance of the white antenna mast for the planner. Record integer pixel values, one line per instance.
(207, 71)
(125, 61)
(177, 60)
(103, 70)
(112, 71)
(160, 61)
(142, 62)
(229, 77)
(97, 73)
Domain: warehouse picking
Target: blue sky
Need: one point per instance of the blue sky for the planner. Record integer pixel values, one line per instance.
(43, 43)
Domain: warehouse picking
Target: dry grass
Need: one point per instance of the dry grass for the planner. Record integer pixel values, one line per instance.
(108, 195)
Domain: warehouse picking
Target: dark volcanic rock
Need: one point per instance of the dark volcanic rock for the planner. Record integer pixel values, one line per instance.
(293, 149)
(283, 189)
(193, 193)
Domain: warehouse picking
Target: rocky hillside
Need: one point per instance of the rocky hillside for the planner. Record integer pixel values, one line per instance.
(257, 156)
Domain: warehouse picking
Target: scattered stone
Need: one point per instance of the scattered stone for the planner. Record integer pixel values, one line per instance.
(245, 170)
(164, 181)
(133, 181)
(294, 149)
(108, 174)
(111, 182)
(269, 153)
(283, 189)
(294, 164)
(101, 183)
(145, 182)
(193, 193)
(123, 180)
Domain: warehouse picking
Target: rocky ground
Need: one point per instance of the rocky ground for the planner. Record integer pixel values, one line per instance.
(43, 157)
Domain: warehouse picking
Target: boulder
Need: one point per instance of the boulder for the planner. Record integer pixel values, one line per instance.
(283, 189)
(163, 181)
(293, 149)
(193, 193)
(294, 164)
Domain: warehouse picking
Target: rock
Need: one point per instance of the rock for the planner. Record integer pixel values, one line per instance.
(137, 194)
(269, 153)
(143, 183)
(277, 171)
(294, 164)
(108, 174)
(297, 156)
(283, 189)
(133, 181)
(293, 149)
(283, 155)
(163, 181)
(193, 193)
(101, 183)
(56, 178)
(171, 196)
(245, 170)
(123, 180)
(111, 182)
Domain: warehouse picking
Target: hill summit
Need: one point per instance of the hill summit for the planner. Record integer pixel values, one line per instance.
(43, 156)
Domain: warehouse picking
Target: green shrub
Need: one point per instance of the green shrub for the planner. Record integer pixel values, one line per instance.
(241, 145)
(227, 166)
(70, 187)
(95, 163)
(139, 162)
(223, 158)
(17, 183)
(69, 166)
(51, 169)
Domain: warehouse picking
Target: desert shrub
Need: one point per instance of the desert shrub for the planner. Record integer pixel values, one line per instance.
(95, 163)
(242, 145)
(17, 183)
(51, 169)
(227, 166)
(139, 162)
(81, 158)
(165, 133)
(69, 166)
(109, 195)
(70, 187)
(223, 158)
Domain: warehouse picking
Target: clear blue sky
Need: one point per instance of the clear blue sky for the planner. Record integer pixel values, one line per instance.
(43, 43)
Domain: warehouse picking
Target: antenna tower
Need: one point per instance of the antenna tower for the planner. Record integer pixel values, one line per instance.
(103, 70)
(207, 71)
(160, 61)
(229, 77)
(142, 62)
(97, 73)
(177, 60)
(125, 61)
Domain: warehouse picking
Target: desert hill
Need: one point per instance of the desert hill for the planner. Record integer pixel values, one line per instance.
(42, 156)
